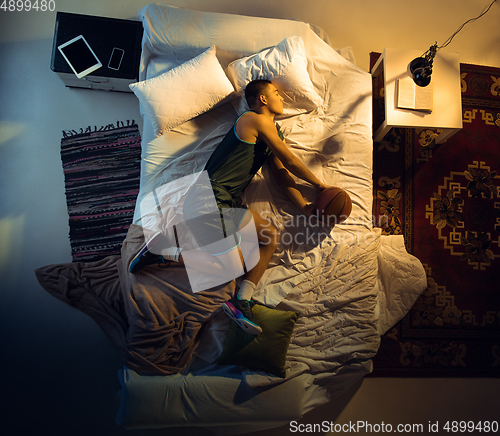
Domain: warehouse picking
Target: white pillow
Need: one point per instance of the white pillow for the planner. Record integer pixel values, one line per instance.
(284, 64)
(183, 93)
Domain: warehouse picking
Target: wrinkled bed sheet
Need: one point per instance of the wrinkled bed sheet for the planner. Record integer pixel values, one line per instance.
(349, 286)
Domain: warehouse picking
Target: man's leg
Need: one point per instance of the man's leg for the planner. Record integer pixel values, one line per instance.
(239, 308)
(268, 236)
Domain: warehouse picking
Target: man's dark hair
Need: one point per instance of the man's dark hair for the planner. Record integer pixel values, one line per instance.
(254, 89)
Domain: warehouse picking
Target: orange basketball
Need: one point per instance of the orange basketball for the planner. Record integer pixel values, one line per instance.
(334, 206)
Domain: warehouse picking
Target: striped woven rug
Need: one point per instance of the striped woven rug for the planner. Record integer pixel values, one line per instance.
(101, 171)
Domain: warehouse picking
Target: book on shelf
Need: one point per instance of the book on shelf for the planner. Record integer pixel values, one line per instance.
(412, 96)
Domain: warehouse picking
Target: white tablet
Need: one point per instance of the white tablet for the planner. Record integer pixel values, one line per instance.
(80, 56)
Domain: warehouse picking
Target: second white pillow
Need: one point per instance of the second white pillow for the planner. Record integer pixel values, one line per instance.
(284, 64)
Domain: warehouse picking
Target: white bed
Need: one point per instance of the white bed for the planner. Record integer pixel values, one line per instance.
(349, 288)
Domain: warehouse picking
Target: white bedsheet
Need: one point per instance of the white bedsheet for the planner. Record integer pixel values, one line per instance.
(352, 284)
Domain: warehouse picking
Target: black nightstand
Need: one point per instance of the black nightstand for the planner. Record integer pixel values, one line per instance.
(103, 35)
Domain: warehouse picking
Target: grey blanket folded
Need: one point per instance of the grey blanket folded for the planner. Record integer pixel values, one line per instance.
(152, 318)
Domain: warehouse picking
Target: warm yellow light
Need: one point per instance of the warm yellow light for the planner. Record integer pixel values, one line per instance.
(10, 129)
(11, 239)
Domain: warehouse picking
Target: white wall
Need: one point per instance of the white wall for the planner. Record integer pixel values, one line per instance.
(58, 369)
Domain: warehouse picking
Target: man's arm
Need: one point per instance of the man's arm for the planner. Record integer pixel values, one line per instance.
(287, 183)
(266, 131)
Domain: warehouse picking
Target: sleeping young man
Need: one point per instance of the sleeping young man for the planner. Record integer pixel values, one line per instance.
(254, 139)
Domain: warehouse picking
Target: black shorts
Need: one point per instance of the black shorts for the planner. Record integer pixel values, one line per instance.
(213, 216)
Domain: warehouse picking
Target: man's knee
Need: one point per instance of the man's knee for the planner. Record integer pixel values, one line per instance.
(267, 233)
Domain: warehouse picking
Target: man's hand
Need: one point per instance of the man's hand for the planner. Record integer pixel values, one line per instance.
(309, 210)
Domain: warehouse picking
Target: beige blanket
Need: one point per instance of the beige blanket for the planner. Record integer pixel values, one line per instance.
(152, 318)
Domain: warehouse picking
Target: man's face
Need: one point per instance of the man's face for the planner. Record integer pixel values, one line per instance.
(274, 100)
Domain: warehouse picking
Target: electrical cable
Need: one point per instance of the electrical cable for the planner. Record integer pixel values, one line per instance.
(422, 67)
(448, 41)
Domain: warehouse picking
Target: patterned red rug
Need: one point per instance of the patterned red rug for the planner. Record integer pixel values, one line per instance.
(101, 172)
(445, 200)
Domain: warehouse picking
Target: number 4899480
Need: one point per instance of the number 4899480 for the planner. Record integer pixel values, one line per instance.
(28, 5)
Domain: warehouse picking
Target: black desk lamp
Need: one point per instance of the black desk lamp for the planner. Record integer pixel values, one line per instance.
(421, 68)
